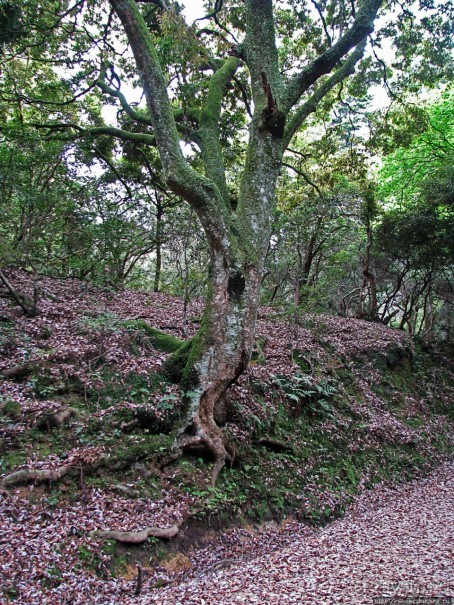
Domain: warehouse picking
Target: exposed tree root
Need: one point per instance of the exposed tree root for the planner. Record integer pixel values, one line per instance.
(162, 341)
(138, 589)
(20, 371)
(37, 475)
(213, 443)
(53, 420)
(137, 537)
(274, 445)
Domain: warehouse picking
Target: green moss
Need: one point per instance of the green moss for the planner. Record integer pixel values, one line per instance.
(258, 353)
(12, 409)
(134, 387)
(414, 422)
(130, 450)
(161, 341)
(189, 378)
(175, 364)
(180, 367)
(9, 460)
(119, 565)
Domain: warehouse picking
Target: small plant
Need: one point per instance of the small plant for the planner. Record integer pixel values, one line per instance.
(52, 576)
(11, 593)
(12, 409)
(302, 389)
(52, 499)
(167, 402)
(103, 322)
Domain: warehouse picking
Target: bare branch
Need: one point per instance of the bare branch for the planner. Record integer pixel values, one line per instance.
(125, 135)
(305, 177)
(100, 154)
(217, 8)
(120, 96)
(243, 95)
(362, 26)
(311, 104)
(160, 3)
(325, 27)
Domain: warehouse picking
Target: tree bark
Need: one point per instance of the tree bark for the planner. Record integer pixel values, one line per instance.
(136, 537)
(305, 268)
(157, 272)
(221, 352)
(223, 347)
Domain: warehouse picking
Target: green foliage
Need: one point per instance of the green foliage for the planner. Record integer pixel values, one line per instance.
(9, 21)
(420, 234)
(93, 206)
(414, 244)
(132, 449)
(405, 170)
(104, 322)
(306, 395)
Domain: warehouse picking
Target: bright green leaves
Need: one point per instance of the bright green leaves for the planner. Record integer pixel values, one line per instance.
(405, 170)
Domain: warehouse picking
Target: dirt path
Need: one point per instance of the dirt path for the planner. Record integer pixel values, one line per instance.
(390, 543)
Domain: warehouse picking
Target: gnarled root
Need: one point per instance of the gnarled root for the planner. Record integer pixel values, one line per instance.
(81, 462)
(27, 476)
(212, 440)
(56, 419)
(136, 537)
(20, 371)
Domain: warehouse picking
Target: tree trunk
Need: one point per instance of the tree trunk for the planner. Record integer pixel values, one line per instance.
(28, 304)
(157, 273)
(369, 278)
(304, 270)
(219, 355)
(223, 346)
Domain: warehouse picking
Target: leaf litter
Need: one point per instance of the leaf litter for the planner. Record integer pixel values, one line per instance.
(393, 540)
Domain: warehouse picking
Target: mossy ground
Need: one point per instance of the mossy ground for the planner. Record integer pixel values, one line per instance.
(317, 434)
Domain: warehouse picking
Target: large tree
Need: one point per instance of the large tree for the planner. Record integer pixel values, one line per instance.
(282, 80)
(237, 237)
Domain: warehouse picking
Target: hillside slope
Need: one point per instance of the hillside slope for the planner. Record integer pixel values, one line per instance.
(328, 407)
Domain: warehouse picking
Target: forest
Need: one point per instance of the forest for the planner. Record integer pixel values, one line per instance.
(226, 294)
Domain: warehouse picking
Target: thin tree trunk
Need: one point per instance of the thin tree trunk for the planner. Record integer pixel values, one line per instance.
(369, 278)
(27, 304)
(305, 269)
(157, 273)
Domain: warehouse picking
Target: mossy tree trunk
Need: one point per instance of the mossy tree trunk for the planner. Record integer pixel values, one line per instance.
(237, 235)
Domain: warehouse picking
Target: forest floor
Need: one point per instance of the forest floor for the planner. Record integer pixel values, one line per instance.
(332, 415)
(393, 544)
